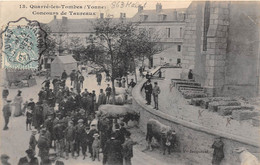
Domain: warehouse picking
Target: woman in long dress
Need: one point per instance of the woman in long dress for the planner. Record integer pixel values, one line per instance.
(18, 104)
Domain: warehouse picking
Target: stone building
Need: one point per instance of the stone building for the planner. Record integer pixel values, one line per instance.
(221, 46)
(166, 26)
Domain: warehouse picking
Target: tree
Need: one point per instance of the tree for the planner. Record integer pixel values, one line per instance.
(116, 45)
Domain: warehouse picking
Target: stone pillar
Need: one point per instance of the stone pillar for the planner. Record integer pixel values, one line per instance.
(216, 47)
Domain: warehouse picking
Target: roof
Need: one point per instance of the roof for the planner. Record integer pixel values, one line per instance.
(72, 25)
(152, 15)
(64, 59)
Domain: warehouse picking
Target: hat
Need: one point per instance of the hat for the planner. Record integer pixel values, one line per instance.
(43, 130)
(87, 127)
(96, 135)
(8, 101)
(31, 99)
(4, 156)
(173, 132)
(34, 130)
(81, 111)
(80, 121)
(71, 122)
(127, 134)
(29, 151)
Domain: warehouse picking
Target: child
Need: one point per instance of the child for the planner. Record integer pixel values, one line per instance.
(29, 116)
(33, 142)
(96, 147)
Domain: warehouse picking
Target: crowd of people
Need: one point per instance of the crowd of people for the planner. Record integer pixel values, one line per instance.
(68, 122)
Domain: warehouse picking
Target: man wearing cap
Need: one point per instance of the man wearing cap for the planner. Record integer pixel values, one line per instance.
(72, 77)
(218, 153)
(148, 91)
(30, 159)
(70, 134)
(64, 75)
(113, 152)
(93, 101)
(80, 139)
(33, 142)
(7, 113)
(128, 148)
(31, 104)
(108, 92)
(58, 135)
(156, 92)
(101, 97)
(43, 145)
(4, 159)
(132, 83)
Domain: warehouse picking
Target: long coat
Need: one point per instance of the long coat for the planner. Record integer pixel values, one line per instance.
(113, 152)
(24, 161)
(218, 153)
(18, 106)
(43, 145)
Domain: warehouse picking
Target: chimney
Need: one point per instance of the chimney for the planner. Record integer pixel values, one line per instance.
(140, 8)
(64, 20)
(54, 17)
(101, 15)
(158, 7)
(175, 18)
(122, 15)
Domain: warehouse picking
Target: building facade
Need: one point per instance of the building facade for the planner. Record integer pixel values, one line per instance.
(221, 46)
(166, 26)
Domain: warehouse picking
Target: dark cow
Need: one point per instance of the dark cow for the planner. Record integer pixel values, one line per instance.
(162, 133)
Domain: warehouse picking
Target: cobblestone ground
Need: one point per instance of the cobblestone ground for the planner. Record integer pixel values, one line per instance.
(172, 103)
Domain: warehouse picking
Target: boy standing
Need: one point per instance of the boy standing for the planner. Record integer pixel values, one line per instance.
(96, 147)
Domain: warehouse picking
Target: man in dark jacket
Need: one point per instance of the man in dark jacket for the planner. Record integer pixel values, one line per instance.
(148, 92)
(72, 77)
(128, 148)
(108, 92)
(7, 113)
(5, 93)
(70, 134)
(132, 83)
(58, 134)
(218, 153)
(30, 159)
(43, 145)
(80, 139)
(64, 75)
(113, 152)
(81, 80)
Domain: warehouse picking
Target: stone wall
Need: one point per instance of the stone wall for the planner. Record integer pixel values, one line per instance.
(194, 140)
(229, 63)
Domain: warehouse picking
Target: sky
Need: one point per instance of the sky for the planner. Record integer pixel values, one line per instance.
(13, 10)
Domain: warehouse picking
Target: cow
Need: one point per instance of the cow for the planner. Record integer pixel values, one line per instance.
(117, 111)
(245, 157)
(165, 135)
(119, 100)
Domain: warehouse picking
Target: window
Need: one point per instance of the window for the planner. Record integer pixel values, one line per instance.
(180, 32)
(168, 32)
(179, 48)
(206, 24)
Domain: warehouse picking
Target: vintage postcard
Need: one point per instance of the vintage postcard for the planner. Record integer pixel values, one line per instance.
(121, 82)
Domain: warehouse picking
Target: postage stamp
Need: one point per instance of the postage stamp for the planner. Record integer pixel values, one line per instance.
(21, 44)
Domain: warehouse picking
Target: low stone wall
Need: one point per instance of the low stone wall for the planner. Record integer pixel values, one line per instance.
(194, 140)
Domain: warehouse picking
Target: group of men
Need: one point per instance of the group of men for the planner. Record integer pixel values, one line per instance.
(151, 90)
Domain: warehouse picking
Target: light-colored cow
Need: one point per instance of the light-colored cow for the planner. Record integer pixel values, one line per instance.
(245, 157)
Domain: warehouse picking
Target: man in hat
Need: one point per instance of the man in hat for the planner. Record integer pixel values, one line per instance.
(4, 159)
(95, 147)
(156, 92)
(43, 145)
(72, 77)
(127, 148)
(80, 138)
(113, 152)
(70, 134)
(7, 113)
(148, 91)
(132, 83)
(31, 104)
(58, 135)
(5, 93)
(93, 101)
(218, 153)
(64, 75)
(108, 92)
(101, 97)
(33, 142)
(30, 159)
(81, 80)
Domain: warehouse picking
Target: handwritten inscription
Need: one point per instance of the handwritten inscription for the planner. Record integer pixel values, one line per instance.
(126, 4)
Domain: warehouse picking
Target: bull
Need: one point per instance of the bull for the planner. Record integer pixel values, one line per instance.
(117, 111)
(162, 133)
(119, 100)
(245, 157)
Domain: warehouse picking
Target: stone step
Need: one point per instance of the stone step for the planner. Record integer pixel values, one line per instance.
(213, 106)
(205, 102)
(188, 83)
(193, 94)
(188, 86)
(256, 121)
(197, 101)
(190, 89)
(174, 81)
(244, 114)
(227, 110)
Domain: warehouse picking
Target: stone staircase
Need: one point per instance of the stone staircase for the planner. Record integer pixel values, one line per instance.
(224, 106)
